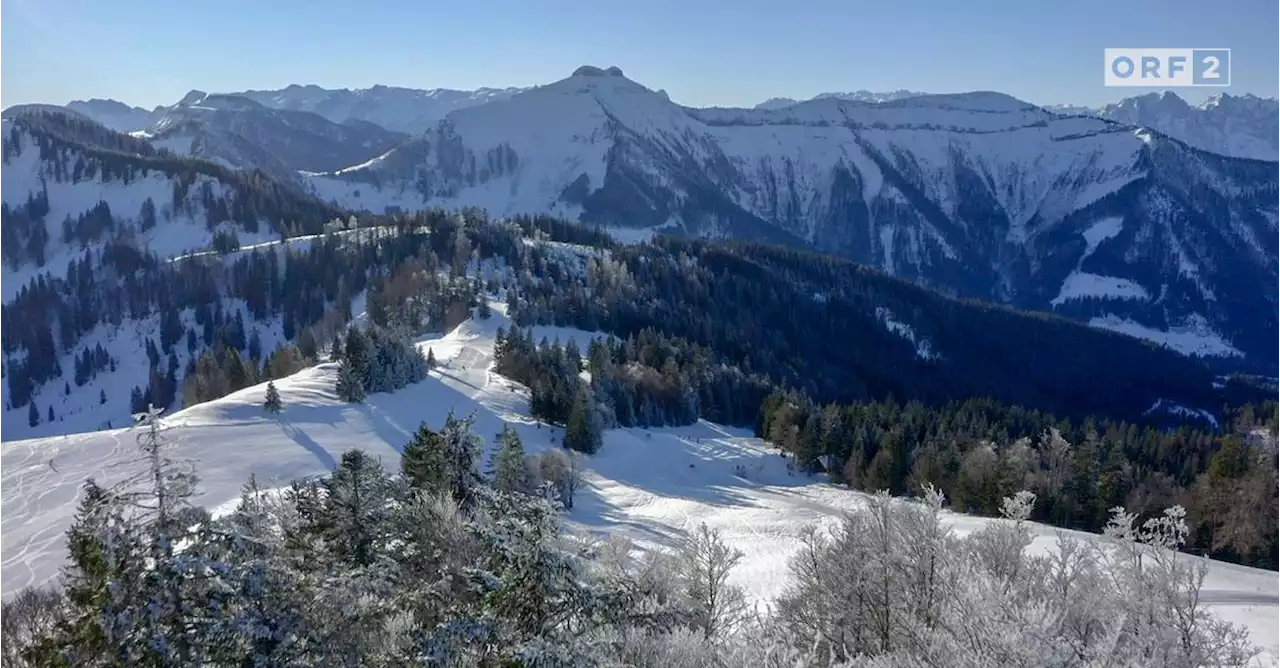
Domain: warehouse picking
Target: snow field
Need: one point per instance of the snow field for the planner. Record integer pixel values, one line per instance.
(652, 486)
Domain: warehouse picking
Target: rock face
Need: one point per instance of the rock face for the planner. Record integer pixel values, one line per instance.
(978, 195)
(1241, 126)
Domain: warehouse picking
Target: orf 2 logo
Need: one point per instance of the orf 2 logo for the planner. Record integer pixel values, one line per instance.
(1166, 68)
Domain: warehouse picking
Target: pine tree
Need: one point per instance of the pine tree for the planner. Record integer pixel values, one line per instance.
(423, 461)
(431, 359)
(87, 577)
(582, 429)
(510, 471)
(272, 403)
(102, 396)
(33, 415)
(462, 447)
(50, 413)
(356, 507)
(350, 387)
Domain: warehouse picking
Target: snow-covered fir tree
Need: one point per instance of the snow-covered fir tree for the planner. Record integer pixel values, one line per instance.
(272, 403)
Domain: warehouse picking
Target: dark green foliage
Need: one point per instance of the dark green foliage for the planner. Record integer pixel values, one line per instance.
(225, 241)
(582, 428)
(444, 461)
(350, 387)
(980, 451)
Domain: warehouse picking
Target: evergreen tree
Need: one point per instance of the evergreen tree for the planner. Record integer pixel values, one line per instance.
(33, 415)
(423, 462)
(102, 396)
(431, 359)
(87, 578)
(272, 403)
(350, 387)
(510, 470)
(355, 505)
(582, 431)
(50, 413)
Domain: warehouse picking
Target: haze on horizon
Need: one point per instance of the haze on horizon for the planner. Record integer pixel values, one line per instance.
(703, 54)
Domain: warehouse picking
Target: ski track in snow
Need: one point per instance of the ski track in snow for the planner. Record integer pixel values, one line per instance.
(653, 486)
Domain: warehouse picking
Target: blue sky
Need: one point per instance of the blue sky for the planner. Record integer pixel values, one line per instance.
(737, 52)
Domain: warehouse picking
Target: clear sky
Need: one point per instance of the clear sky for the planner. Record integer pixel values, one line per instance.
(703, 52)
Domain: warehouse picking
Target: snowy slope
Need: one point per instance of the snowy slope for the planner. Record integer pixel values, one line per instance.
(651, 485)
(177, 231)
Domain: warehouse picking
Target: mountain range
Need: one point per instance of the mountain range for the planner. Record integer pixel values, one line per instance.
(1119, 218)
(977, 195)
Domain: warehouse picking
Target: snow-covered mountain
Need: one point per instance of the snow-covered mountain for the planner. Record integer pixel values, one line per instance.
(978, 195)
(407, 110)
(115, 115)
(856, 96)
(1242, 126)
(241, 133)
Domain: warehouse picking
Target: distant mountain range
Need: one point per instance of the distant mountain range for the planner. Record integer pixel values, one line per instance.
(858, 96)
(1102, 216)
(978, 195)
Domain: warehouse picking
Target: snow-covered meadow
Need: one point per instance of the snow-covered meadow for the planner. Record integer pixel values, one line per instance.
(653, 485)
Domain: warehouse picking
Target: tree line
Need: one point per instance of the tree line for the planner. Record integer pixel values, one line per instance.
(979, 451)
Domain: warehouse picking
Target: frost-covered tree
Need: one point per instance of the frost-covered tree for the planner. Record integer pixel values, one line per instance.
(562, 470)
(271, 403)
(705, 564)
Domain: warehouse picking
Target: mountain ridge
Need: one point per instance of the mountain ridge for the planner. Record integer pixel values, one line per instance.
(976, 194)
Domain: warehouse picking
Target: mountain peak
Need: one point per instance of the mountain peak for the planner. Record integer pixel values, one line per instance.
(592, 71)
(194, 97)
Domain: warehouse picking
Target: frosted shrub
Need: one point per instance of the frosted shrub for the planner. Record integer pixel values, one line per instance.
(891, 586)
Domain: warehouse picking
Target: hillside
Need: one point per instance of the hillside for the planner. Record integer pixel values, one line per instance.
(242, 134)
(649, 485)
(836, 330)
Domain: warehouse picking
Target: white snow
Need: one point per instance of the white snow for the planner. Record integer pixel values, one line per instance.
(651, 485)
(1167, 406)
(1083, 284)
(1193, 337)
(1079, 283)
(924, 350)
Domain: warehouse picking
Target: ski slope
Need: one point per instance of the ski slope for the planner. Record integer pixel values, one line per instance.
(651, 485)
